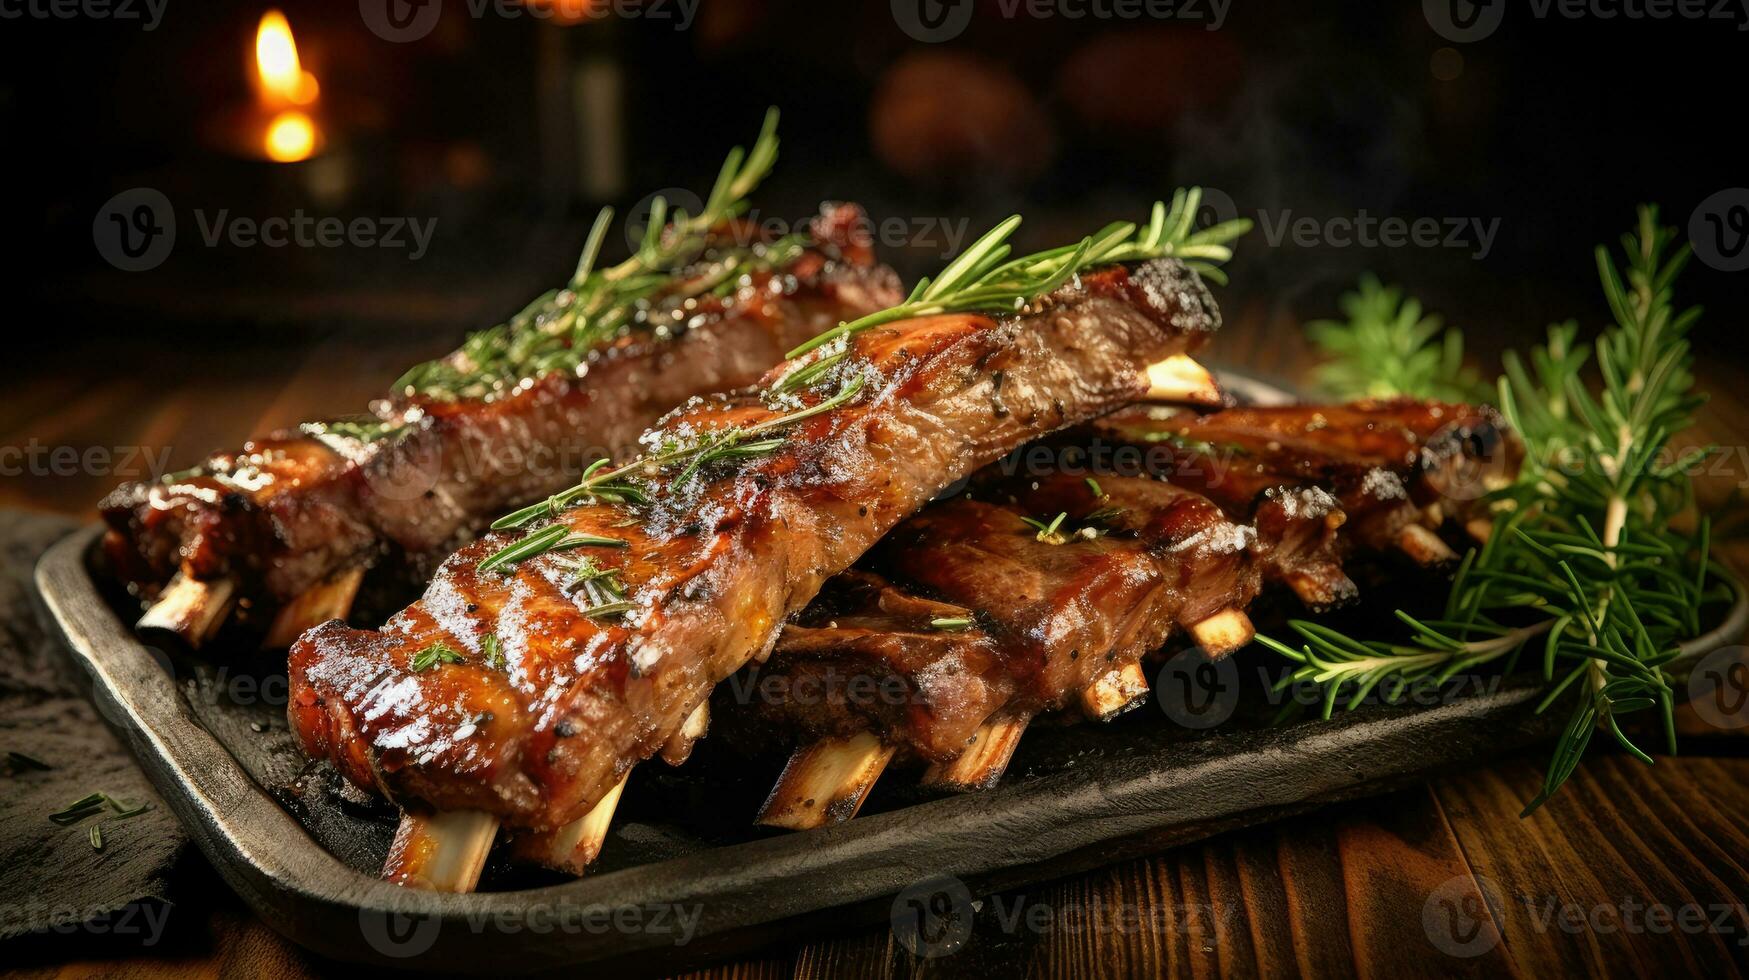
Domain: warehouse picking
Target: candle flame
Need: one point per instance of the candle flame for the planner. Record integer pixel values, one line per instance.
(278, 71)
(291, 137)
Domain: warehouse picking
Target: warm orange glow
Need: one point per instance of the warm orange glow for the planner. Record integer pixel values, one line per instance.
(278, 72)
(290, 137)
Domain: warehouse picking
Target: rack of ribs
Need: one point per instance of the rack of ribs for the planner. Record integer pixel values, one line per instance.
(1384, 474)
(982, 612)
(287, 525)
(518, 695)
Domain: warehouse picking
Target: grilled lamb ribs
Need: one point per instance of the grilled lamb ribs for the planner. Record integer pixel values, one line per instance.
(298, 509)
(1320, 480)
(1037, 600)
(983, 613)
(520, 692)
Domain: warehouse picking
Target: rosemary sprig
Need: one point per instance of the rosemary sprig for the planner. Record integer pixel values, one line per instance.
(1584, 567)
(951, 624)
(79, 809)
(613, 483)
(983, 279)
(559, 330)
(491, 650)
(19, 762)
(92, 804)
(555, 537)
(437, 653)
(1386, 347)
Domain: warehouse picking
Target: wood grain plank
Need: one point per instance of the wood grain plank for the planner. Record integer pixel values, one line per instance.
(1235, 953)
(1574, 872)
(1412, 898)
(1310, 865)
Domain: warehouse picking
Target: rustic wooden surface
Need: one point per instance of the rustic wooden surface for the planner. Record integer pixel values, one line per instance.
(1381, 887)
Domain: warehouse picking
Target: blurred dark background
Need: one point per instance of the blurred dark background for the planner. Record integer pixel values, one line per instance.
(508, 126)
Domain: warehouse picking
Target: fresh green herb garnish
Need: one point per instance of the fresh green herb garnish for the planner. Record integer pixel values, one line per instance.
(610, 609)
(1048, 533)
(1584, 567)
(554, 537)
(96, 837)
(984, 280)
(951, 624)
(437, 653)
(79, 809)
(1102, 515)
(602, 585)
(492, 651)
(1387, 347)
(561, 329)
(1093, 485)
(364, 430)
(18, 762)
(613, 484)
(92, 804)
(123, 810)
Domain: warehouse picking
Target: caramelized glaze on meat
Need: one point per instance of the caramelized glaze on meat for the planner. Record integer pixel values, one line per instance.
(716, 564)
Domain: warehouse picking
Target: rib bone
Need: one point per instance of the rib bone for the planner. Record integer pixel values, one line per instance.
(825, 783)
(1224, 632)
(573, 847)
(1116, 692)
(441, 852)
(1182, 380)
(191, 608)
(984, 761)
(330, 599)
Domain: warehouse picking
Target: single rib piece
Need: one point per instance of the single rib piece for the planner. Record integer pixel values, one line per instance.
(291, 510)
(1372, 469)
(581, 690)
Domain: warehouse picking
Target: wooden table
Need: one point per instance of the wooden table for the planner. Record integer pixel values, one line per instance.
(1631, 869)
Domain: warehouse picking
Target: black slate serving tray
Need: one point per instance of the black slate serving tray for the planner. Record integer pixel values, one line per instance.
(684, 876)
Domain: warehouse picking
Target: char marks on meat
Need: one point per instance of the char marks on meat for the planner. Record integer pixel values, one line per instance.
(290, 509)
(715, 564)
